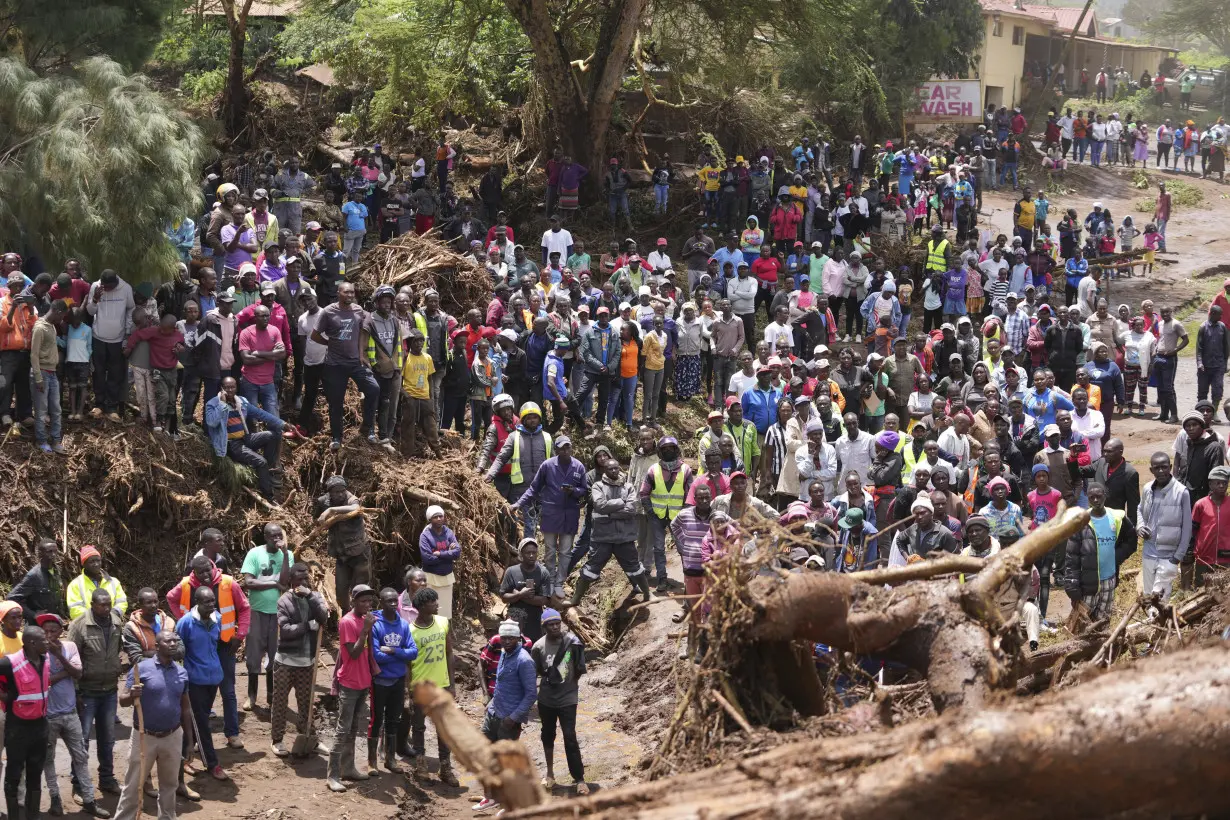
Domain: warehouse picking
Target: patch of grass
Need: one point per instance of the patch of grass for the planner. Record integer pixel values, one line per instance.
(1183, 194)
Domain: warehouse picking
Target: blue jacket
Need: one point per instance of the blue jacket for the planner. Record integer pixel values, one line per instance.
(393, 633)
(516, 686)
(438, 563)
(760, 407)
(201, 648)
(561, 386)
(215, 421)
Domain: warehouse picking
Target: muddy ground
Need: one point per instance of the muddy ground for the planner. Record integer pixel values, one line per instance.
(626, 696)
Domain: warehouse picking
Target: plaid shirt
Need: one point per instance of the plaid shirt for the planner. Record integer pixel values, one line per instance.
(1016, 330)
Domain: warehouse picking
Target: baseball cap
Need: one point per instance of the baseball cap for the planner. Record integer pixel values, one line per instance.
(360, 589)
(267, 287)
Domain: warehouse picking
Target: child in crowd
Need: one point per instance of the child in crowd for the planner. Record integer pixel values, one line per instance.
(78, 344)
(1153, 240)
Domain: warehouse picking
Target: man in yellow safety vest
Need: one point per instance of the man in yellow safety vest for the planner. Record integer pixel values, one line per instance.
(662, 495)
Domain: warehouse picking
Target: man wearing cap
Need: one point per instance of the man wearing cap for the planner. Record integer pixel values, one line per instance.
(759, 404)
(263, 223)
(356, 666)
(525, 449)
(515, 691)
(925, 536)
(110, 303)
(1205, 450)
(555, 387)
(347, 537)
(662, 494)
(526, 588)
(613, 531)
(559, 659)
(857, 543)
(559, 486)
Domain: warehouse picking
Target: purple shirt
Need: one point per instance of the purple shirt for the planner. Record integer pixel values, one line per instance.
(560, 511)
(238, 256)
(570, 176)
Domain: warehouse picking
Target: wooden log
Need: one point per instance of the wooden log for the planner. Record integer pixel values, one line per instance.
(504, 768)
(971, 765)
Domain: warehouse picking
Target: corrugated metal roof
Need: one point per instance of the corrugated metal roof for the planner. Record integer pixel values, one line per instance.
(284, 8)
(320, 72)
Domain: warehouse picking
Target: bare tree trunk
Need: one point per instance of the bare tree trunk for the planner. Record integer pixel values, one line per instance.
(1157, 745)
(582, 97)
(235, 95)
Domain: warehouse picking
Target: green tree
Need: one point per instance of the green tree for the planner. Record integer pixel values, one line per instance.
(48, 34)
(94, 164)
(1195, 19)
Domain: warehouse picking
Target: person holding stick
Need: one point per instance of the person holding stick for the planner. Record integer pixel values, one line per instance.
(158, 689)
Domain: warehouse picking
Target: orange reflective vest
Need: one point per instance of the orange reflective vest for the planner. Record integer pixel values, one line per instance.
(31, 702)
(226, 604)
(968, 495)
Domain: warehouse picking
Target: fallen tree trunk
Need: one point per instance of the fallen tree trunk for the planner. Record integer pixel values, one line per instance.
(952, 632)
(504, 768)
(1159, 746)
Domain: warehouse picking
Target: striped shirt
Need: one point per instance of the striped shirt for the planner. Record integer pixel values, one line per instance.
(689, 530)
(775, 447)
(234, 425)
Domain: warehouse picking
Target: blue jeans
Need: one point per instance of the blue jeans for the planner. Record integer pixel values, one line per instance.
(627, 399)
(46, 403)
(618, 202)
(230, 706)
(264, 396)
(1082, 145)
(98, 713)
(903, 323)
(1008, 169)
(660, 193)
(1095, 152)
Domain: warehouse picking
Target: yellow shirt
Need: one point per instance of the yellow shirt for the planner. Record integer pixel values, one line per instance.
(655, 351)
(9, 645)
(800, 194)
(1026, 218)
(711, 177)
(414, 375)
(432, 661)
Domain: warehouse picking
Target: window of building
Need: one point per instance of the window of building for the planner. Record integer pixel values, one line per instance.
(997, 28)
(1018, 35)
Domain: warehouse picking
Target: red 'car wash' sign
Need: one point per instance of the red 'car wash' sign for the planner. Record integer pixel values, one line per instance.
(947, 101)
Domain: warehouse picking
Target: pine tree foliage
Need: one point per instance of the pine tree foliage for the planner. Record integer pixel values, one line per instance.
(93, 165)
(49, 34)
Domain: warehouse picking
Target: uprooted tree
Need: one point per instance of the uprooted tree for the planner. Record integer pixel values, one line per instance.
(1096, 747)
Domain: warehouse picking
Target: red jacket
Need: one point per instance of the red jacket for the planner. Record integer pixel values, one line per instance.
(243, 612)
(784, 222)
(1212, 538)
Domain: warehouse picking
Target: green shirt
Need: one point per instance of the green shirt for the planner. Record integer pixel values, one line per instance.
(578, 262)
(261, 563)
(432, 661)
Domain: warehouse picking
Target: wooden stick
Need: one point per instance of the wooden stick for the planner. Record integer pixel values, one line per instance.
(64, 534)
(136, 679)
(430, 498)
(1104, 653)
(895, 525)
(732, 711)
(653, 601)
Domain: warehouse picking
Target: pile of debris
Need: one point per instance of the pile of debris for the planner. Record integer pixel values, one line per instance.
(144, 499)
(426, 262)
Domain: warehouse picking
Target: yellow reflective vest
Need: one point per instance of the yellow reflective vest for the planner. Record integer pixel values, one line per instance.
(937, 255)
(515, 476)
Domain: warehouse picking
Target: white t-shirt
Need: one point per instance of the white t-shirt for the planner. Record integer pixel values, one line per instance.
(774, 332)
(1065, 125)
(419, 170)
(559, 241)
(741, 383)
(992, 268)
(313, 352)
(659, 261)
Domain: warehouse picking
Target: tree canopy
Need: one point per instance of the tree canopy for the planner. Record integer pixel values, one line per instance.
(93, 164)
(1208, 19)
(56, 33)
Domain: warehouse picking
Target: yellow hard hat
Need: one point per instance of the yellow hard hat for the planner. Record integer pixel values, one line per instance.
(530, 409)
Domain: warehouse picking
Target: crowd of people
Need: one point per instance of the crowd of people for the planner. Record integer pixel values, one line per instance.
(887, 443)
(1108, 139)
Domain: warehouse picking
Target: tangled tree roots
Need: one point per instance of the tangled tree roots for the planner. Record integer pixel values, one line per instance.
(762, 623)
(143, 500)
